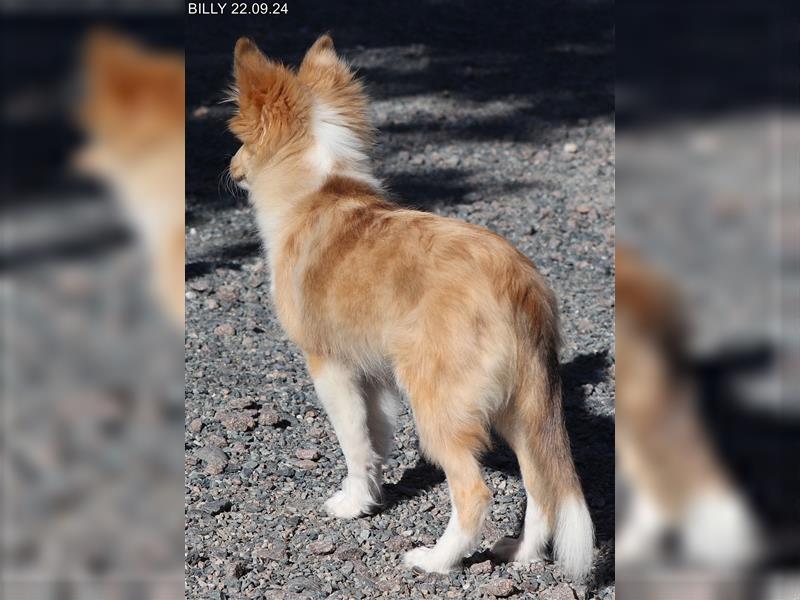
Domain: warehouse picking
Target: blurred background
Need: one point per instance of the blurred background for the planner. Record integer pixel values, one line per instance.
(707, 299)
(91, 436)
(708, 294)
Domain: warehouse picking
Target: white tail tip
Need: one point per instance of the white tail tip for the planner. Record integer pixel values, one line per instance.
(574, 537)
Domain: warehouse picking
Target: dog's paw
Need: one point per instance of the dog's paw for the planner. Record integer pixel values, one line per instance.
(347, 506)
(425, 559)
(510, 549)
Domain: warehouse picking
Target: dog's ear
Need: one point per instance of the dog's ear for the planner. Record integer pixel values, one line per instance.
(322, 52)
(250, 67)
(323, 70)
(269, 98)
(334, 84)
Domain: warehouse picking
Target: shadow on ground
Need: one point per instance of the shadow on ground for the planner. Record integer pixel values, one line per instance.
(228, 257)
(550, 62)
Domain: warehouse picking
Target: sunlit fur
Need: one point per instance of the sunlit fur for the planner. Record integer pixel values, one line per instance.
(132, 111)
(383, 299)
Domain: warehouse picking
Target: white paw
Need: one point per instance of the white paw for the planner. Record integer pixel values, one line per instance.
(509, 549)
(427, 560)
(345, 505)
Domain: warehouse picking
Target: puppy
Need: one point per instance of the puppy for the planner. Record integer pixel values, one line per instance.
(386, 301)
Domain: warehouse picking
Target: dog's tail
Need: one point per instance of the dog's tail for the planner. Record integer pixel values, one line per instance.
(573, 532)
(547, 467)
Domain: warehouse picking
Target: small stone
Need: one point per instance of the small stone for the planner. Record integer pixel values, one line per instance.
(215, 468)
(481, 567)
(570, 148)
(241, 403)
(233, 585)
(272, 554)
(237, 569)
(321, 547)
(195, 426)
(500, 588)
(217, 440)
(227, 293)
(548, 579)
(306, 464)
(237, 447)
(452, 162)
(398, 543)
(530, 586)
(301, 584)
(348, 553)
(211, 304)
(200, 285)
(237, 421)
(216, 507)
(307, 454)
(216, 460)
(560, 592)
(583, 208)
(224, 329)
(268, 417)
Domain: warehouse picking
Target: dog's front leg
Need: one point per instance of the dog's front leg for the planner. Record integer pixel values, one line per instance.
(344, 399)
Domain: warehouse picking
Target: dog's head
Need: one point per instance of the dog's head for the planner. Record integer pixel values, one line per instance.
(318, 112)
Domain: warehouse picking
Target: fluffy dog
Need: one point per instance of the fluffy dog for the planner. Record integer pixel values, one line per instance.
(387, 302)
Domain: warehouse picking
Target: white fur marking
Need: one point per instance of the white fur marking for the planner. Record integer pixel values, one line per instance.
(448, 551)
(342, 398)
(574, 537)
(529, 546)
(337, 146)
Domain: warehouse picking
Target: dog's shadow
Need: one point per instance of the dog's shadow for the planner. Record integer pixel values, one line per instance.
(592, 439)
(227, 257)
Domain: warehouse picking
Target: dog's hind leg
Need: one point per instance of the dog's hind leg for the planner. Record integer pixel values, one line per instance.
(452, 434)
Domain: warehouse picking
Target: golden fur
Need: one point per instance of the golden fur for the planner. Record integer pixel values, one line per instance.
(464, 323)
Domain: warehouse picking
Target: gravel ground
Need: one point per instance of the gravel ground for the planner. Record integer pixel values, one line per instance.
(504, 120)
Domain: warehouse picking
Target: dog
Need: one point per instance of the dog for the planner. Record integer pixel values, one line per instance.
(388, 302)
